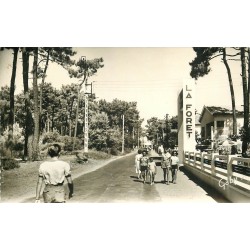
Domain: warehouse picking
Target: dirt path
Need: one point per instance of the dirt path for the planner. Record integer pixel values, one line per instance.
(19, 185)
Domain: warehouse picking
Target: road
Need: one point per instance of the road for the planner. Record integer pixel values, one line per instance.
(117, 183)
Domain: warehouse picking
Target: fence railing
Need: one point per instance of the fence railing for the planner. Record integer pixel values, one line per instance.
(228, 169)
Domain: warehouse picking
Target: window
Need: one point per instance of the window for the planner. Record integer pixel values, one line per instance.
(220, 124)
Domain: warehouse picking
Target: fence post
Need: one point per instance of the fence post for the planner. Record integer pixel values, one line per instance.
(213, 163)
(195, 159)
(184, 157)
(189, 158)
(229, 169)
(202, 161)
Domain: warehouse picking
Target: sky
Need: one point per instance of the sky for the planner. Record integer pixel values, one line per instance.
(150, 76)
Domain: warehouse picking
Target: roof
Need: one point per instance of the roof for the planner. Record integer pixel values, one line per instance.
(219, 110)
(215, 110)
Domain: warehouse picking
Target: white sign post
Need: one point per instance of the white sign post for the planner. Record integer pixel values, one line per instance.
(186, 119)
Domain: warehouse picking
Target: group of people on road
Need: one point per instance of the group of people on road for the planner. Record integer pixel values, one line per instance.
(142, 166)
(146, 167)
(170, 163)
(52, 173)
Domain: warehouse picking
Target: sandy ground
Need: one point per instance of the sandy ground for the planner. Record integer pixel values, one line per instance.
(19, 184)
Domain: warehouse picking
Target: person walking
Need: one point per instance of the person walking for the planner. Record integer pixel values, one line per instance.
(144, 166)
(160, 150)
(53, 173)
(165, 165)
(174, 166)
(152, 170)
(137, 163)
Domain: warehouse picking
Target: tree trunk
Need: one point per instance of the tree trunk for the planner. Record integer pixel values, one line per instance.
(246, 101)
(77, 107)
(70, 120)
(12, 94)
(248, 128)
(70, 127)
(28, 119)
(48, 123)
(36, 108)
(231, 91)
(43, 80)
(52, 118)
(42, 84)
(248, 95)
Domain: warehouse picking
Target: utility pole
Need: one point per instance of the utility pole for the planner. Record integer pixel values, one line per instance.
(86, 117)
(122, 134)
(83, 58)
(86, 107)
(86, 122)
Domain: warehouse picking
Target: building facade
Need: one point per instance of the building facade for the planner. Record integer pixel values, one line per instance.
(217, 122)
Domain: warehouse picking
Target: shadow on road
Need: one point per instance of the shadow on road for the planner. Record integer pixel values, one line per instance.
(212, 192)
(140, 180)
(133, 177)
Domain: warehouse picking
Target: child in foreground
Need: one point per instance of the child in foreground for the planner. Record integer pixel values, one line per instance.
(152, 171)
(144, 166)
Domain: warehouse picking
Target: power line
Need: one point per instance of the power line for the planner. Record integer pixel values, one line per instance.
(132, 81)
(226, 86)
(161, 82)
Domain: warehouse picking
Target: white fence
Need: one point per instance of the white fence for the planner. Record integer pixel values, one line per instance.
(227, 172)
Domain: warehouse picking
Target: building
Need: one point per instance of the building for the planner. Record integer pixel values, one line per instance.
(197, 124)
(145, 142)
(217, 122)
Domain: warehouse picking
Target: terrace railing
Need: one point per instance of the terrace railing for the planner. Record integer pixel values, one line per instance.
(227, 169)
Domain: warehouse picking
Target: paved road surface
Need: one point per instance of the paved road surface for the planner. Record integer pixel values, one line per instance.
(117, 182)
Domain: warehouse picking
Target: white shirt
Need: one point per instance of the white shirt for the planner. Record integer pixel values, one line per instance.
(137, 158)
(174, 160)
(152, 166)
(54, 171)
(166, 156)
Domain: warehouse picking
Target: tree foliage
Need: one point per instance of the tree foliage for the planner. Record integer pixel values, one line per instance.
(162, 131)
(41, 110)
(200, 67)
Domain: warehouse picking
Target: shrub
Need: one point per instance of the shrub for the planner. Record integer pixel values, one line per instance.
(78, 144)
(14, 145)
(4, 152)
(127, 150)
(93, 154)
(18, 146)
(68, 143)
(9, 164)
(51, 137)
(114, 151)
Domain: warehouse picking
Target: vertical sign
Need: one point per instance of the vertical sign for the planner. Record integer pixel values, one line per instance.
(86, 127)
(86, 112)
(189, 142)
(123, 134)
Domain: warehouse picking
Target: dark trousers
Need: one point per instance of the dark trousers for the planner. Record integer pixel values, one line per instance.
(174, 169)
